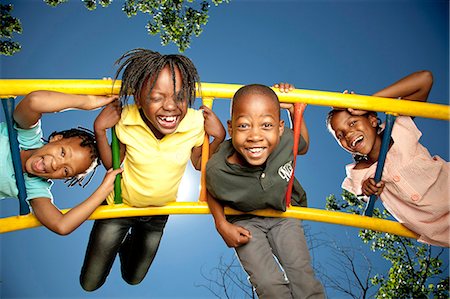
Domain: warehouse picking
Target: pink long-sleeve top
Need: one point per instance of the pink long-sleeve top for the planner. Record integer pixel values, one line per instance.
(417, 185)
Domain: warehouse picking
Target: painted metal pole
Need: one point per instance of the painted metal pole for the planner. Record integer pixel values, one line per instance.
(17, 87)
(208, 102)
(14, 223)
(390, 119)
(299, 108)
(116, 164)
(8, 107)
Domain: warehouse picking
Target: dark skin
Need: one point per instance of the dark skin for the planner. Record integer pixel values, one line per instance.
(414, 87)
(255, 128)
(61, 157)
(162, 113)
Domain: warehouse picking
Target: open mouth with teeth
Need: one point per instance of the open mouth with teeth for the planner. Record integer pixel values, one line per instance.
(168, 122)
(255, 151)
(356, 142)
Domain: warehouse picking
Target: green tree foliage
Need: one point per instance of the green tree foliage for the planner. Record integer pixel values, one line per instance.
(9, 25)
(416, 271)
(174, 20)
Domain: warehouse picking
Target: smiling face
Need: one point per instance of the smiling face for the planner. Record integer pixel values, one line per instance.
(163, 107)
(59, 159)
(356, 134)
(255, 128)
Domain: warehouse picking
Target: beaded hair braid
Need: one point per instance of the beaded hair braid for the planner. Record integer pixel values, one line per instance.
(139, 65)
(87, 140)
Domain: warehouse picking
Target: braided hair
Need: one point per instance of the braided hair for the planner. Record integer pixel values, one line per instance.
(140, 65)
(87, 140)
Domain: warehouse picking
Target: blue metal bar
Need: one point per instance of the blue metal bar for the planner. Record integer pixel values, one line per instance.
(8, 107)
(390, 119)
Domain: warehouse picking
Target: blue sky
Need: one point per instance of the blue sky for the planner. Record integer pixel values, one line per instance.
(321, 45)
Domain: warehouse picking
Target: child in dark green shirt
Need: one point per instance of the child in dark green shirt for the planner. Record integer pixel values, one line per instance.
(251, 171)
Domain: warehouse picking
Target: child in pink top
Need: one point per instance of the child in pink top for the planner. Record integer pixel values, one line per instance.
(414, 186)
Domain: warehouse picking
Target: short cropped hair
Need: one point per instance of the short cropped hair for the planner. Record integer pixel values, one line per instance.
(252, 89)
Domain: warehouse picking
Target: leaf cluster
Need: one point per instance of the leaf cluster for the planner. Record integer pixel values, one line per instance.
(175, 21)
(8, 26)
(416, 271)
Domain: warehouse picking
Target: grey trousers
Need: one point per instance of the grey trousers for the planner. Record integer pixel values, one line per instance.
(278, 242)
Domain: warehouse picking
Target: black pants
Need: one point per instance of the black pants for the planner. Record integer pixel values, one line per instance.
(136, 239)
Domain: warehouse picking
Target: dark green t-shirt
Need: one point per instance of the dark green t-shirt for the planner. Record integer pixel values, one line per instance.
(252, 188)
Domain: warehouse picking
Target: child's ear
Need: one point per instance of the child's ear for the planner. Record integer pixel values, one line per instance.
(281, 127)
(55, 138)
(230, 127)
(373, 120)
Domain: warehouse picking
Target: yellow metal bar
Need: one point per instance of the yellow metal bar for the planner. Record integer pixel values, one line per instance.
(15, 223)
(336, 99)
(22, 87)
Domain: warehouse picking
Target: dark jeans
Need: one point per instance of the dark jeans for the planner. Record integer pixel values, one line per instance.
(136, 239)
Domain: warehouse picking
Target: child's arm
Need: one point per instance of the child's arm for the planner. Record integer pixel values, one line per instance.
(414, 87)
(215, 129)
(63, 224)
(233, 235)
(107, 119)
(286, 87)
(30, 109)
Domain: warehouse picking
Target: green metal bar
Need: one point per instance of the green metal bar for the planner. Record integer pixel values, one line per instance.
(116, 164)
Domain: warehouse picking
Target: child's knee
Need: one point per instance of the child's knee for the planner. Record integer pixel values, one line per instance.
(90, 285)
(271, 285)
(133, 274)
(133, 280)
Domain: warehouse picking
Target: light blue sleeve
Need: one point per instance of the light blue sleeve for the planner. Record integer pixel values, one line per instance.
(8, 187)
(30, 138)
(38, 187)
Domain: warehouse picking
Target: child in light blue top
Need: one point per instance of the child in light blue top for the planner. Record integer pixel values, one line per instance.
(69, 155)
(35, 186)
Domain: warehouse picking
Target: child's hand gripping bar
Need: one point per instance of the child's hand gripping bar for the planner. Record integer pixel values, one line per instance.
(390, 119)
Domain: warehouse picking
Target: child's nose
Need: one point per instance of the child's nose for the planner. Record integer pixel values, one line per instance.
(255, 134)
(54, 164)
(170, 104)
(348, 133)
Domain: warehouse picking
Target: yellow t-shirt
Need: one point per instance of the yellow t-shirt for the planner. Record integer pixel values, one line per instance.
(153, 168)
